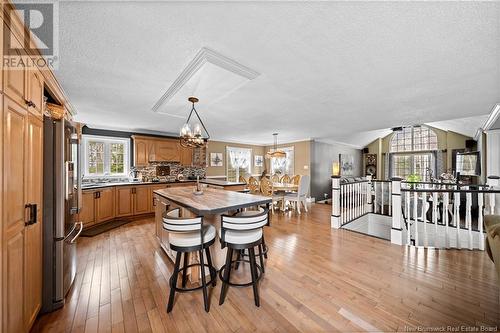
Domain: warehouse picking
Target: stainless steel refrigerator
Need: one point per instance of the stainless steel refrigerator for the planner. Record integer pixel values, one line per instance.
(62, 198)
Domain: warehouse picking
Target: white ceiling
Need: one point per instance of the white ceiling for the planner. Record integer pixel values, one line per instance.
(328, 70)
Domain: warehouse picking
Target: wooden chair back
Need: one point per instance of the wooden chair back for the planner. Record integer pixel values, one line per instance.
(285, 179)
(253, 185)
(295, 180)
(243, 180)
(275, 178)
(266, 187)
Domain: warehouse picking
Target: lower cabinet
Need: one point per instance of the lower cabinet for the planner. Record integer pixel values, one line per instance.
(105, 205)
(142, 199)
(124, 201)
(87, 212)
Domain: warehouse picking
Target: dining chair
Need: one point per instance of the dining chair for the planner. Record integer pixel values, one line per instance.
(285, 179)
(301, 195)
(295, 180)
(253, 185)
(242, 179)
(266, 187)
(275, 178)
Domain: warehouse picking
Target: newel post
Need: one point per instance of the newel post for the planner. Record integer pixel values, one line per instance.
(335, 221)
(397, 214)
(494, 183)
(369, 194)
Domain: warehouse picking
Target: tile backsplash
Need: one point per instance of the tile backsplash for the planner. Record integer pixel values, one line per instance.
(149, 172)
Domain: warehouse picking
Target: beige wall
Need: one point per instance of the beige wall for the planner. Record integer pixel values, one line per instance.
(220, 147)
(302, 152)
(447, 141)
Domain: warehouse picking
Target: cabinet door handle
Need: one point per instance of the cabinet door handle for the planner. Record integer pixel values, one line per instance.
(154, 201)
(33, 212)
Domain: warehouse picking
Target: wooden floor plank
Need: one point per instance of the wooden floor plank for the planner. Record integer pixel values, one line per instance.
(317, 279)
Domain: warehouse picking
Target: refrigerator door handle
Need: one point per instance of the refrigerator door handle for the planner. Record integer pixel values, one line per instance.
(79, 232)
(69, 233)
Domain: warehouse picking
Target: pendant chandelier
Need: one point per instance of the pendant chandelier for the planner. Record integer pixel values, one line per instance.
(275, 153)
(192, 136)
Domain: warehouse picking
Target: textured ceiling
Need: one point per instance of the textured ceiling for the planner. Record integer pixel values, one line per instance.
(329, 70)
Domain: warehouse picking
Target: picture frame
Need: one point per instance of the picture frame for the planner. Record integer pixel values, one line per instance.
(258, 160)
(216, 160)
(346, 164)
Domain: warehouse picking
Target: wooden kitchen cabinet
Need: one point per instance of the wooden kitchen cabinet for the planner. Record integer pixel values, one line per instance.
(144, 150)
(33, 232)
(167, 150)
(124, 201)
(15, 79)
(105, 204)
(142, 200)
(186, 156)
(87, 212)
(35, 92)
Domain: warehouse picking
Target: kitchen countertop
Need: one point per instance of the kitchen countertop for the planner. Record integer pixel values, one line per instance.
(218, 182)
(212, 201)
(91, 186)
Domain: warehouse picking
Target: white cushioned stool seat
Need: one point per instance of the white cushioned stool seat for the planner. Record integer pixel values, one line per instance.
(242, 236)
(192, 238)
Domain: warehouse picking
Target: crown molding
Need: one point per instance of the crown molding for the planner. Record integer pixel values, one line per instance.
(202, 57)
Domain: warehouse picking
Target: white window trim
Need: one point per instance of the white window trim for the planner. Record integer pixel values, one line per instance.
(107, 141)
(250, 162)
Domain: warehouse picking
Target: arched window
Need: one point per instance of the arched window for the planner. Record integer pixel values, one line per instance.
(413, 152)
(414, 138)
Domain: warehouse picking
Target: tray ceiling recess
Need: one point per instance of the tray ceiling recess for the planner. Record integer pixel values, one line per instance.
(210, 76)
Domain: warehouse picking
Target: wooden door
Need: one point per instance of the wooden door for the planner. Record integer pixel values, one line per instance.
(13, 219)
(33, 232)
(35, 92)
(141, 152)
(141, 200)
(15, 78)
(186, 156)
(87, 212)
(167, 151)
(124, 201)
(105, 206)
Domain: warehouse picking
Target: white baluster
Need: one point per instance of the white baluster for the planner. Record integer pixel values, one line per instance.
(382, 198)
(424, 217)
(435, 217)
(375, 187)
(389, 185)
(408, 229)
(446, 200)
(396, 230)
(415, 216)
(456, 217)
(468, 216)
(480, 202)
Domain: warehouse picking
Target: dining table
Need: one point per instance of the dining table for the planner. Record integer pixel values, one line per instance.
(287, 187)
(210, 205)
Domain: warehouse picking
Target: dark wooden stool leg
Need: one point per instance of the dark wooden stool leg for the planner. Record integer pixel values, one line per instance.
(227, 270)
(209, 260)
(204, 282)
(264, 246)
(184, 270)
(174, 282)
(238, 257)
(261, 258)
(253, 271)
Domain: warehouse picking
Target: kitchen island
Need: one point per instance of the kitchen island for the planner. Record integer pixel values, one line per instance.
(211, 204)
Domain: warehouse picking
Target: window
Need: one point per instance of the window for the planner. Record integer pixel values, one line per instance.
(283, 166)
(105, 156)
(239, 162)
(414, 138)
(413, 152)
(467, 164)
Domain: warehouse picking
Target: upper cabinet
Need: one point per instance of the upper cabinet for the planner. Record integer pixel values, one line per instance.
(34, 96)
(152, 149)
(15, 78)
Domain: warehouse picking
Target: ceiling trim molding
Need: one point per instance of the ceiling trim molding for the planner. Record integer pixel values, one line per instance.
(492, 118)
(203, 56)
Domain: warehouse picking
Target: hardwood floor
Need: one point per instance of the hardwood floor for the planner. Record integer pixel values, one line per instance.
(317, 279)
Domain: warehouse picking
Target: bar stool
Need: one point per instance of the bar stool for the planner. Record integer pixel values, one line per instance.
(261, 247)
(189, 235)
(241, 233)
